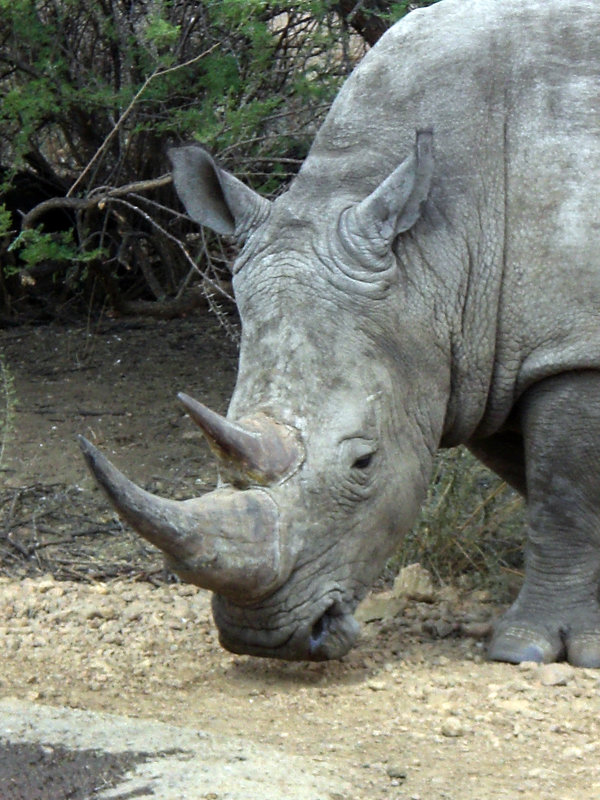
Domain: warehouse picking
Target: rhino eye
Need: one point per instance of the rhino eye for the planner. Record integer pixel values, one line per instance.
(363, 461)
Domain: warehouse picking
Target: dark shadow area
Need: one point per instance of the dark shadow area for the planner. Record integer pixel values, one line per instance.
(51, 772)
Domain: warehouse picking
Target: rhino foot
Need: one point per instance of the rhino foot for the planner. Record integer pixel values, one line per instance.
(516, 641)
(583, 649)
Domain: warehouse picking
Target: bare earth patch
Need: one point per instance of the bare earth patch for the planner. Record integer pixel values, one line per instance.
(413, 712)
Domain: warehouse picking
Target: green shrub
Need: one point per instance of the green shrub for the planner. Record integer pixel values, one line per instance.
(98, 91)
(94, 93)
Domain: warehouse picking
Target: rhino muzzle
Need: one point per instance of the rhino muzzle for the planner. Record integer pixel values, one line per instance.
(328, 631)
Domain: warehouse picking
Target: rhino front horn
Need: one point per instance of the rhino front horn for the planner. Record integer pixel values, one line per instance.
(257, 450)
(226, 541)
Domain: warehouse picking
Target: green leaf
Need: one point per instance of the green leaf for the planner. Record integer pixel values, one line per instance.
(36, 246)
(6, 223)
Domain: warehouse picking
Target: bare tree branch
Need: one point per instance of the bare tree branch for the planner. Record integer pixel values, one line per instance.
(366, 17)
(95, 198)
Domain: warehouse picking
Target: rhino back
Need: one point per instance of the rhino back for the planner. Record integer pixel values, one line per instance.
(470, 69)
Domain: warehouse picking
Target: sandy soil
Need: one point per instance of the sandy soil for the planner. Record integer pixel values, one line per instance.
(414, 711)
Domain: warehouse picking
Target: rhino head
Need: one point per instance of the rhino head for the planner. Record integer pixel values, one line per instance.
(326, 449)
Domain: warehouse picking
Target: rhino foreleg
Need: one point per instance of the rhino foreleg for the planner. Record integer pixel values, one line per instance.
(557, 613)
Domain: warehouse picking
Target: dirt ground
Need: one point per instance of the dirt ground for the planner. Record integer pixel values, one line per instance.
(88, 621)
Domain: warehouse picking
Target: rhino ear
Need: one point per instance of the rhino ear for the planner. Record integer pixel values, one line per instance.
(214, 197)
(396, 204)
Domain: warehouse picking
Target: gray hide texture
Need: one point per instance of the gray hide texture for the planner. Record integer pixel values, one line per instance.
(430, 278)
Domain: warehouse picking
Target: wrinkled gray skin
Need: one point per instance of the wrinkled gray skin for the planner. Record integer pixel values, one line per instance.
(388, 311)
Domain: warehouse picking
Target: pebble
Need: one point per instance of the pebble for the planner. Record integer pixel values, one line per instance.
(45, 584)
(476, 630)
(134, 610)
(452, 727)
(439, 629)
(396, 772)
(555, 674)
(528, 666)
(93, 610)
(573, 752)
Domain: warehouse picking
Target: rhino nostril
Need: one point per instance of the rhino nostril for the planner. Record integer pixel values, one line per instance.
(319, 632)
(321, 628)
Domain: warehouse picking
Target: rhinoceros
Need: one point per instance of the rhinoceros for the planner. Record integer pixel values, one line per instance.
(431, 277)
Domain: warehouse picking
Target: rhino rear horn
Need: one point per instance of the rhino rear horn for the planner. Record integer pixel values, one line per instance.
(257, 450)
(226, 541)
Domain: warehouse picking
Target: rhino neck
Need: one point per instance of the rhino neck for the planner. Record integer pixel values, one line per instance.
(481, 378)
(450, 297)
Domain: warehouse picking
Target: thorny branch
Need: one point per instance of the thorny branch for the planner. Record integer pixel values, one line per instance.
(95, 198)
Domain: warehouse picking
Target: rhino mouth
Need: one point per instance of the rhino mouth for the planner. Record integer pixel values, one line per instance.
(328, 633)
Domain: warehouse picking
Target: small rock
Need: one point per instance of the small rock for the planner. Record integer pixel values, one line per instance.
(452, 727)
(528, 666)
(383, 605)
(397, 772)
(95, 610)
(476, 630)
(573, 752)
(439, 628)
(188, 590)
(538, 772)
(415, 583)
(114, 638)
(134, 611)
(556, 674)
(376, 686)
(591, 673)
(449, 594)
